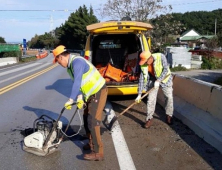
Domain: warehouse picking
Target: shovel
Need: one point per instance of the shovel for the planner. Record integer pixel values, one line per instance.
(114, 119)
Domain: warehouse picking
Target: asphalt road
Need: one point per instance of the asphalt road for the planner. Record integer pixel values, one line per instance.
(128, 146)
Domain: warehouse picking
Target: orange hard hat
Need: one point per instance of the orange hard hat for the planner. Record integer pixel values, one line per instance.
(57, 51)
(144, 57)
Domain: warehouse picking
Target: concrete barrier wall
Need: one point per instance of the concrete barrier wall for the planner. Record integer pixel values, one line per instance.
(8, 60)
(198, 104)
(192, 91)
(215, 104)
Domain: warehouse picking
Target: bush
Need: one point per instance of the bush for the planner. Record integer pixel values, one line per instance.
(12, 54)
(211, 63)
(178, 68)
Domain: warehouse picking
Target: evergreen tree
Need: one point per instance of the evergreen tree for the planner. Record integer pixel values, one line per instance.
(73, 33)
(2, 40)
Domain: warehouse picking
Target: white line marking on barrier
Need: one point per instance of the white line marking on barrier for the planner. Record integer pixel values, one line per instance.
(122, 151)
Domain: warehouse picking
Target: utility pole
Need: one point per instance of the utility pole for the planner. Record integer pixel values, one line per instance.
(216, 26)
(51, 26)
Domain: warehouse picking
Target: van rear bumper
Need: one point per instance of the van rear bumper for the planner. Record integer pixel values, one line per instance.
(126, 90)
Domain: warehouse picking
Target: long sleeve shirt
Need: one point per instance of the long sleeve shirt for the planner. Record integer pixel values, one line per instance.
(79, 68)
(151, 79)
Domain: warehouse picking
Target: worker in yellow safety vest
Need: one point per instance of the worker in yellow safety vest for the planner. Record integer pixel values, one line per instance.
(88, 89)
(155, 73)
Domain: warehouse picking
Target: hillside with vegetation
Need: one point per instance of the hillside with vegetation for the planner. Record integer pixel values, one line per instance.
(167, 28)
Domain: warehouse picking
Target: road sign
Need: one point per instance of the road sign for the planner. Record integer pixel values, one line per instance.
(24, 43)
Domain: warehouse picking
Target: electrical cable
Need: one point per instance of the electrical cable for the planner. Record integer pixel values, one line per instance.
(80, 127)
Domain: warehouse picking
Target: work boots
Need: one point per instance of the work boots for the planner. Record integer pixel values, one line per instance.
(169, 120)
(88, 146)
(148, 123)
(93, 156)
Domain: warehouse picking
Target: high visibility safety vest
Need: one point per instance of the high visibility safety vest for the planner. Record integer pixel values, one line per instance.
(158, 68)
(92, 81)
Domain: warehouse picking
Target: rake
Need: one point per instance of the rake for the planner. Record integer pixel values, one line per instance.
(114, 119)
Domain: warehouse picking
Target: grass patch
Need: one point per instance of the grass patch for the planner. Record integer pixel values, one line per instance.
(28, 59)
(178, 68)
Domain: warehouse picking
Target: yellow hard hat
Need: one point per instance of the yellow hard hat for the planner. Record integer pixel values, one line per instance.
(144, 57)
(57, 51)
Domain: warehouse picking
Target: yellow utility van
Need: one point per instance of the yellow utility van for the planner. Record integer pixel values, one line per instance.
(114, 47)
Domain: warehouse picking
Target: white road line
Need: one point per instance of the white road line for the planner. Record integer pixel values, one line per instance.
(17, 75)
(18, 69)
(11, 66)
(123, 154)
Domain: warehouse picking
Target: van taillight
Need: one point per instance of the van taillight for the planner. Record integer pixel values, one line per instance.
(86, 57)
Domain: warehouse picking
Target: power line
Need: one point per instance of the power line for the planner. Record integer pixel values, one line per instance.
(188, 3)
(37, 10)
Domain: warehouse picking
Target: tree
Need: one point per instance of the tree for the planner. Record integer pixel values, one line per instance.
(2, 40)
(138, 10)
(211, 45)
(146, 11)
(166, 31)
(73, 33)
(43, 41)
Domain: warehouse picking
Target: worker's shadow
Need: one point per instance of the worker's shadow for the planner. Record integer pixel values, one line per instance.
(63, 86)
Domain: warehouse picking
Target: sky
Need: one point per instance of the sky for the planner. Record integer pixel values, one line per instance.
(23, 19)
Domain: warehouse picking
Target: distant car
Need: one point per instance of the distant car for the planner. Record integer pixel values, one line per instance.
(114, 47)
(197, 48)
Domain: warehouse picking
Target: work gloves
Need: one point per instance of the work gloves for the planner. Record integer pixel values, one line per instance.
(156, 84)
(138, 99)
(68, 104)
(80, 103)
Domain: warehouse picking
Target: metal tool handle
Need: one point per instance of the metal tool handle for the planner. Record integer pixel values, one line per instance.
(55, 124)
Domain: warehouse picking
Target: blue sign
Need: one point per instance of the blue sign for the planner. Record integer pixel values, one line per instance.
(24, 43)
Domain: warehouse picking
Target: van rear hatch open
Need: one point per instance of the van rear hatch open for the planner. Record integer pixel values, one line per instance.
(114, 48)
